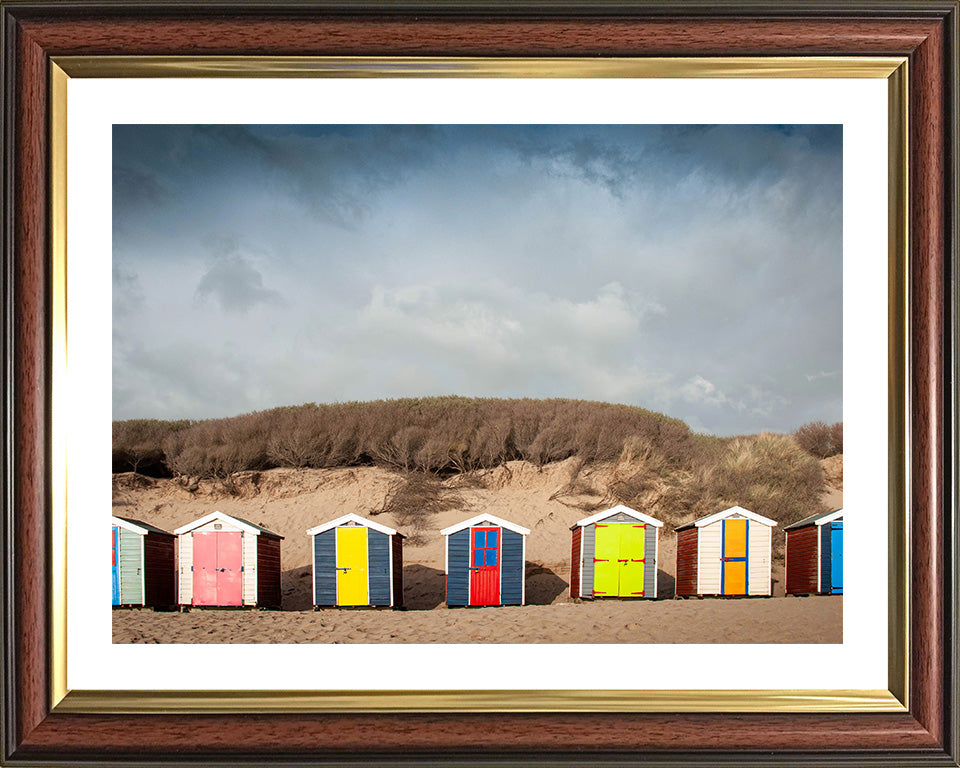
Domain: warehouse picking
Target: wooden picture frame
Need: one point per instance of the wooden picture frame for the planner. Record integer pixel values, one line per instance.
(35, 34)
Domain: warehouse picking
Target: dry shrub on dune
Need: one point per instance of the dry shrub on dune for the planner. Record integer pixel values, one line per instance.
(643, 459)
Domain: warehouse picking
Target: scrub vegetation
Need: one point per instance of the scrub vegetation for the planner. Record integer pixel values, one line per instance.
(623, 454)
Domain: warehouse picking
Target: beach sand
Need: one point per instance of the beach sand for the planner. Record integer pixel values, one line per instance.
(291, 501)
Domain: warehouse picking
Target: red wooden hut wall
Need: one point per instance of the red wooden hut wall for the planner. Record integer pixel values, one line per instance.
(397, 544)
(268, 571)
(575, 562)
(160, 570)
(687, 561)
(802, 554)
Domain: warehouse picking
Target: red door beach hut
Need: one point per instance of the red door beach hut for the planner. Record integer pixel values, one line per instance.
(614, 554)
(142, 561)
(356, 562)
(226, 561)
(484, 562)
(726, 553)
(814, 555)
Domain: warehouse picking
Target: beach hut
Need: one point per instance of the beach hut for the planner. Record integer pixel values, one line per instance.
(142, 564)
(726, 553)
(484, 562)
(814, 555)
(356, 562)
(615, 554)
(227, 561)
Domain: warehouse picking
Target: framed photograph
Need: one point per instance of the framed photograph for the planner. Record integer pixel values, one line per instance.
(504, 198)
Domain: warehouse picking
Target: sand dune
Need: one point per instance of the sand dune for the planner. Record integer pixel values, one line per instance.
(291, 501)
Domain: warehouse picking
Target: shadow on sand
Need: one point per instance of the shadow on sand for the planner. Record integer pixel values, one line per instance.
(666, 585)
(543, 585)
(296, 591)
(424, 588)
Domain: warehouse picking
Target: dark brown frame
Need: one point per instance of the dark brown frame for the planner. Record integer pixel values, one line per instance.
(925, 32)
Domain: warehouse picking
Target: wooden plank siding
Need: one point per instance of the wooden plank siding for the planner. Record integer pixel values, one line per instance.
(589, 552)
(378, 568)
(758, 563)
(185, 568)
(397, 545)
(652, 534)
(458, 568)
(575, 562)
(708, 566)
(687, 560)
(325, 568)
(802, 552)
(268, 571)
(512, 567)
(250, 571)
(131, 568)
(160, 570)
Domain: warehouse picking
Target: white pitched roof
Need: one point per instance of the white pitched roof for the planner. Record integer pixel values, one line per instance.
(485, 518)
(818, 519)
(730, 513)
(620, 508)
(137, 526)
(351, 518)
(244, 525)
(128, 524)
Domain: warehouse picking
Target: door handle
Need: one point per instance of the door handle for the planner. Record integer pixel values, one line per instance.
(343, 569)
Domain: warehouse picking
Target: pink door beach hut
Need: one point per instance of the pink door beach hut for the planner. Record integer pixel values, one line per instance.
(225, 561)
(727, 553)
(614, 554)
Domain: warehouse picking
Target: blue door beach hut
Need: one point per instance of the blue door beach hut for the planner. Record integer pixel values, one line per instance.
(727, 553)
(614, 554)
(356, 562)
(484, 562)
(814, 555)
(142, 561)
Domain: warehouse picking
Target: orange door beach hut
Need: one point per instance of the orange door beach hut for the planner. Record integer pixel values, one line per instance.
(728, 553)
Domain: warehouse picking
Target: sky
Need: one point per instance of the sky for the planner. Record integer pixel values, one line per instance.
(692, 270)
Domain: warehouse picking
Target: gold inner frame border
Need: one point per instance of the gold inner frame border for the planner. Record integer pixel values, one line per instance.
(895, 699)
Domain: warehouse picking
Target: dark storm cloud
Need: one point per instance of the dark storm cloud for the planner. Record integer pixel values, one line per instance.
(691, 269)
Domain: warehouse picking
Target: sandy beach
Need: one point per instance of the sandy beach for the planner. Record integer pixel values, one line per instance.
(291, 501)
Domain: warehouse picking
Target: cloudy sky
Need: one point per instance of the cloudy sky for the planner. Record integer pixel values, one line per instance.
(694, 270)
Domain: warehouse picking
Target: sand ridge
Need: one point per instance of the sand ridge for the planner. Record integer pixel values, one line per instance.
(290, 501)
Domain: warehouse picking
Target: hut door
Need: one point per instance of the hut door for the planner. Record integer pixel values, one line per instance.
(217, 568)
(352, 566)
(836, 558)
(733, 559)
(485, 566)
(115, 561)
(606, 559)
(633, 559)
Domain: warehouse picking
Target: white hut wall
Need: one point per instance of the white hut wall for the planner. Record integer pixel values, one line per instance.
(185, 568)
(760, 539)
(709, 564)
